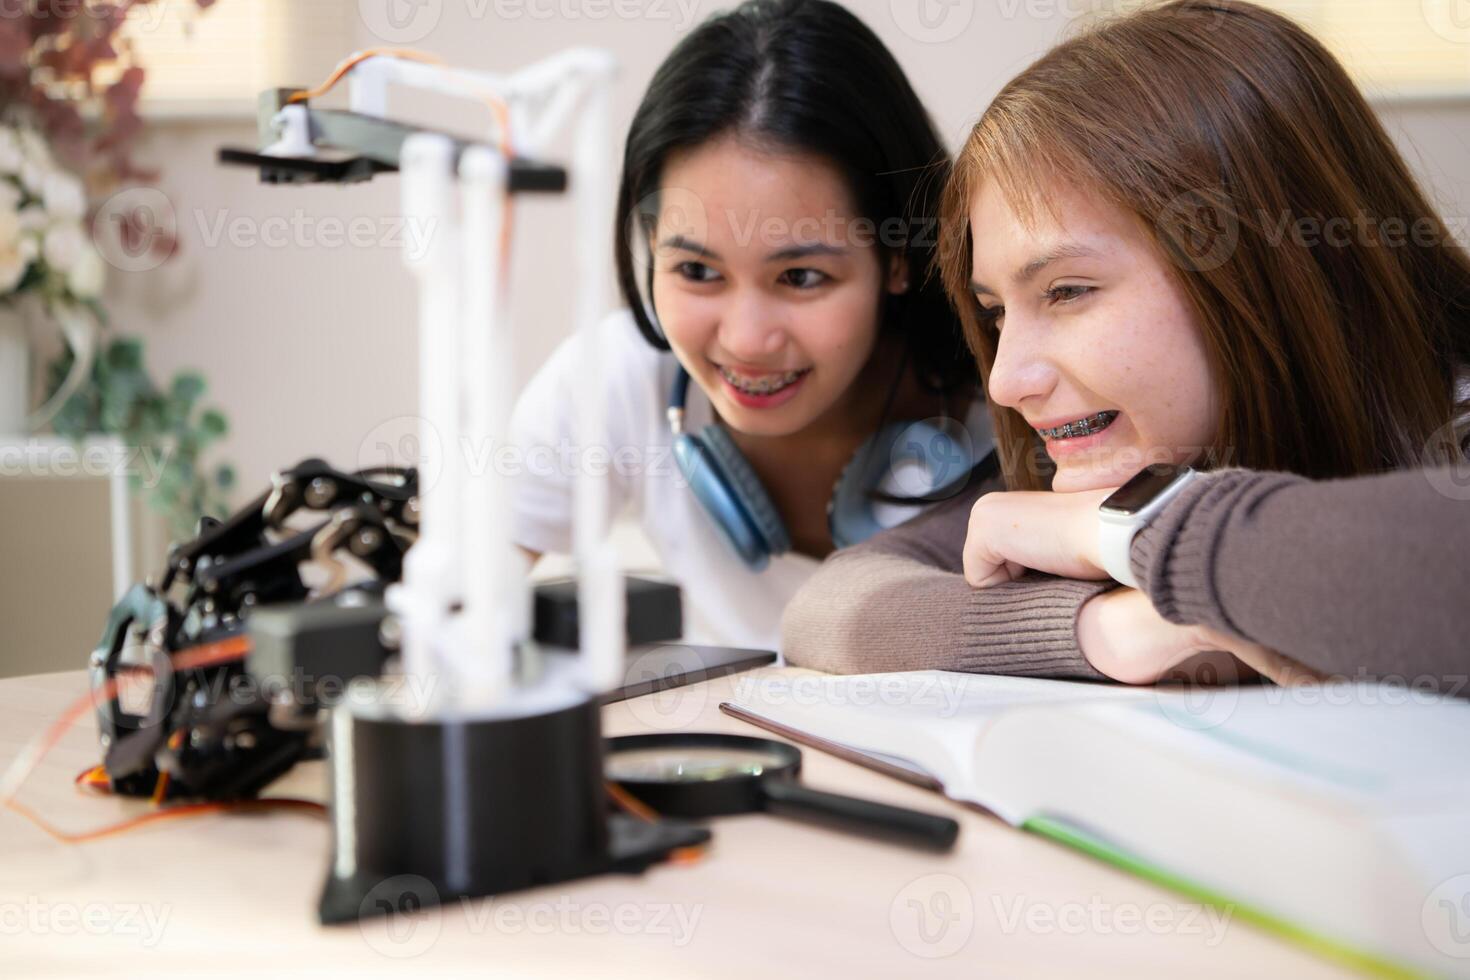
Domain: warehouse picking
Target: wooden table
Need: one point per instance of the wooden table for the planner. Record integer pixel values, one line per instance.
(235, 894)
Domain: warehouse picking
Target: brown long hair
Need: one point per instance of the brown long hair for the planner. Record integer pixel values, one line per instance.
(1332, 298)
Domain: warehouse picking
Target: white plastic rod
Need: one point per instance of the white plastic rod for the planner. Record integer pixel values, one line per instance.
(484, 663)
(600, 585)
(431, 575)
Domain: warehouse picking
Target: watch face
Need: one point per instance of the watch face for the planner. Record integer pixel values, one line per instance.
(1139, 492)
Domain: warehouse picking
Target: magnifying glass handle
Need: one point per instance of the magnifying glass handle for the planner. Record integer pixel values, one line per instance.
(788, 797)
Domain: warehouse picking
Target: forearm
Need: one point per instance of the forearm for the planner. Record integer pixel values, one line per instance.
(1364, 577)
(868, 611)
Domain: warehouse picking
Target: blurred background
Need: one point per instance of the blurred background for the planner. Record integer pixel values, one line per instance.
(245, 327)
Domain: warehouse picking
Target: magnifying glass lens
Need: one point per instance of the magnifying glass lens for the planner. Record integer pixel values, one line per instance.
(687, 764)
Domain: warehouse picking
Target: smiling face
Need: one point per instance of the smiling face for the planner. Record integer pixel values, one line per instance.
(1098, 347)
(765, 284)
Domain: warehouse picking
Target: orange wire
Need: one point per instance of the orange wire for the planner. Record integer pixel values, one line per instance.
(497, 106)
(191, 658)
(352, 61)
(641, 810)
(167, 813)
(631, 803)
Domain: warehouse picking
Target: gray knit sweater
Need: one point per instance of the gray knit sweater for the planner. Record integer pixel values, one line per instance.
(1367, 577)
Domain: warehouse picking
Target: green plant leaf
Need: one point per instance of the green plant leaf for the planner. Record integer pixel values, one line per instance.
(213, 424)
(187, 388)
(125, 354)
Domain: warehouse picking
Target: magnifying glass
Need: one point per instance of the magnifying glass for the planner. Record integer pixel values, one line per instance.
(708, 775)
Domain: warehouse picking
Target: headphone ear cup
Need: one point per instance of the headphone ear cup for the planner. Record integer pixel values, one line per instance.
(748, 489)
(942, 460)
(722, 482)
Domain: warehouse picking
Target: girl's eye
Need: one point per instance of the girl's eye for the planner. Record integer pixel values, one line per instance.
(1066, 294)
(803, 278)
(696, 272)
(990, 316)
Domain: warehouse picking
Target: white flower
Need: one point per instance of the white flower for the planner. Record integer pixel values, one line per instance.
(88, 276)
(33, 147)
(9, 195)
(63, 245)
(13, 260)
(33, 176)
(33, 219)
(10, 155)
(64, 196)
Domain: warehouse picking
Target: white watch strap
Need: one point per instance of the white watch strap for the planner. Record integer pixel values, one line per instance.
(1115, 548)
(1115, 532)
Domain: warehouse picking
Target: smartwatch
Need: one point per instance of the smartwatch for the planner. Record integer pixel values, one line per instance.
(1128, 511)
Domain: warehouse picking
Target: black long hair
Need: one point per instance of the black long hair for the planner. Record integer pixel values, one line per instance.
(805, 76)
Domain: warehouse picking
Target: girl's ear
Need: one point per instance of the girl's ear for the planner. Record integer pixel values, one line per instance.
(898, 273)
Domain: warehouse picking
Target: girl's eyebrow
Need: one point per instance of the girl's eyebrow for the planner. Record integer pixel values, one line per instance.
(804, 251)
(784, 255)
(1029, 271)
(685, 245)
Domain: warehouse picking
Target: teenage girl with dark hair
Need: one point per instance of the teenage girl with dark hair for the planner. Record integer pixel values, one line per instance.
(775, 230)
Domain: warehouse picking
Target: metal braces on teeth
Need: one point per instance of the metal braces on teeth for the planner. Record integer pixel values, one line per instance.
(765, 386)
(1080, 427)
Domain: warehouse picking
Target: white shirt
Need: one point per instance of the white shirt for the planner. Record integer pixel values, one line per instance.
(725, 603)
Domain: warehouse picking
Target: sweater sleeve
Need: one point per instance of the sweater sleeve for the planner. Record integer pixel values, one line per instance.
(900, 602)
(1365, 577)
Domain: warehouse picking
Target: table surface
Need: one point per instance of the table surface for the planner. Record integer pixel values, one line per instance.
(235, 893)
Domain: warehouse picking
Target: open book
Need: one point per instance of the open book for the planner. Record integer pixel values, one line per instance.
(1336, 815)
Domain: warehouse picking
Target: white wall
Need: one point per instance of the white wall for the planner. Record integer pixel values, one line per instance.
(310, 348)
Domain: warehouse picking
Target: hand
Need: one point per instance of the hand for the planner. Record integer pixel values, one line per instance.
(1124, 637)
(1049, 532)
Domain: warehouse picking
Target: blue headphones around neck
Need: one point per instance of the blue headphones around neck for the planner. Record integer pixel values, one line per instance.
(731, 494)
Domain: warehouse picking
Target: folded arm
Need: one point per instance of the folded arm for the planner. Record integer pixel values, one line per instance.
(900, 602)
